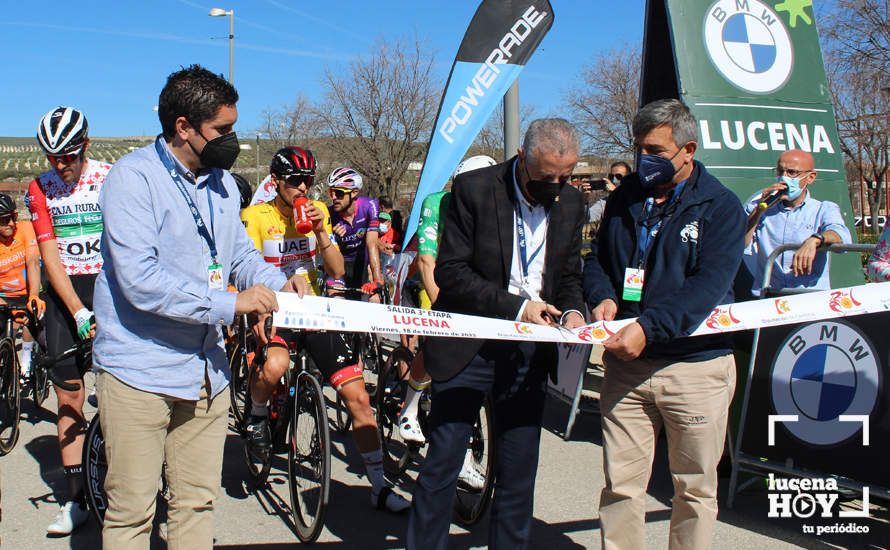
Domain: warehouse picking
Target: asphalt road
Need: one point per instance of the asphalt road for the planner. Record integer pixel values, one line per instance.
(569, 480)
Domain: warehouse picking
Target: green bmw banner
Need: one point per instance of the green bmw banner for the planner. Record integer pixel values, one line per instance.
(752, 73)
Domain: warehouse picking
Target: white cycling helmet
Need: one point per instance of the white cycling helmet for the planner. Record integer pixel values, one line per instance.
(62, 131)
(345, 178)
(474, 163)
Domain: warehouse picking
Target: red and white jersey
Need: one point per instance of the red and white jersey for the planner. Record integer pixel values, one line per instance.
(69, 213)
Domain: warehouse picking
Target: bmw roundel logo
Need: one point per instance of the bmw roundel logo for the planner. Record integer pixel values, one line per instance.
(824, 370)
(749, 45)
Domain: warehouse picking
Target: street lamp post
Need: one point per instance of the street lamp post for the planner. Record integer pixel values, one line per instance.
(219, 12)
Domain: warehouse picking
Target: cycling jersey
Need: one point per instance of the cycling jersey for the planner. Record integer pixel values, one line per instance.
(277, 238)
(69, 213)
(352, 244)
(13, 269)
(429, 229)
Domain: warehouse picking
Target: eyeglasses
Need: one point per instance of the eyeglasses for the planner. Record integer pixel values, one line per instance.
(64, 159)
(790, 172)
(299, 181)
(7, 218)
(339, 193)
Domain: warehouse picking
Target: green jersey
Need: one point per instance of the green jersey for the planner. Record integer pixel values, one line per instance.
(429, 229)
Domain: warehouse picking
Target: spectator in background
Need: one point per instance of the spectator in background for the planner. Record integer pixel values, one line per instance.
(795, 217)
(389, 237)
(396, 219)
(879, 263)
(617, 172)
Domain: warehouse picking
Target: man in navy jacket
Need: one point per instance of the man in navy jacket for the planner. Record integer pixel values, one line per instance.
(668, 247)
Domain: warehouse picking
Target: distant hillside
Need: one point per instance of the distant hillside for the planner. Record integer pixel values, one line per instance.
(21, 158)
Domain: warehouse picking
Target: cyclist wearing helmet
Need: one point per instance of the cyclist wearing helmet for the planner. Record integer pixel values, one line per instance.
(429, 233)
(273, 230)
(64, 205)
(19, 269)
(355, 226)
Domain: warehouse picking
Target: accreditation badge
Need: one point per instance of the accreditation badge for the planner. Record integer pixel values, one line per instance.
(215, 276)
(633, 284)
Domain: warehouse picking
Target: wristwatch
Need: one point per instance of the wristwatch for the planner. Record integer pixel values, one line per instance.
(819, 236)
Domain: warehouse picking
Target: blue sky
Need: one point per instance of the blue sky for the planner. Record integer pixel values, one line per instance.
(110, 58)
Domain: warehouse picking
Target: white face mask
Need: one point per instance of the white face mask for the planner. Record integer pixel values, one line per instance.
(384, 228)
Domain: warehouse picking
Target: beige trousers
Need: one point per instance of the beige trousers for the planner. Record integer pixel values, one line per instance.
(691, 401)
(143, 430)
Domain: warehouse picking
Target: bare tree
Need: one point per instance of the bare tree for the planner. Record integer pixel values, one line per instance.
(860, 30)
(860, 86)
(378, 114)
(290, 125)
(604, 103)
(490, 140)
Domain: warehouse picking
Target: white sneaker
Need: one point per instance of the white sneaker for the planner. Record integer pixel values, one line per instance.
(409, 429)
(469, 476)
(71, 516)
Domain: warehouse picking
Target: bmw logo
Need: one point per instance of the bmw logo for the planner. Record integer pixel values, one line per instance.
(821, 371)
(749, 45)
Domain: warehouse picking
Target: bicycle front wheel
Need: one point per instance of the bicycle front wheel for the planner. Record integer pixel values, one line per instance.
(39, 375)
(10, 396)
(393, 383)
(308, 458)
(239, 362)
(470, 503)
(95, 468)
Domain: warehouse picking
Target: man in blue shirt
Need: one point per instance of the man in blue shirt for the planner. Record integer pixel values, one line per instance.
(796, 218)
(173, 239)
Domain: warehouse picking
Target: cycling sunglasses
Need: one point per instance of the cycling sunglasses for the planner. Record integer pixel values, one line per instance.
(339, 193)
(298, 181)
(64, 159)
(5, 219)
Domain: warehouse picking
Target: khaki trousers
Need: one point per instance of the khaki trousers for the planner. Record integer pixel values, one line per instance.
(141, 431)
(691, 401)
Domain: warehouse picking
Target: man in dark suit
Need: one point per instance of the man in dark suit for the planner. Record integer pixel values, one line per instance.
(511, 250)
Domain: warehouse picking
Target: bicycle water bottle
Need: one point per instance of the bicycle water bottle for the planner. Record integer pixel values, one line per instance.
(301, 218)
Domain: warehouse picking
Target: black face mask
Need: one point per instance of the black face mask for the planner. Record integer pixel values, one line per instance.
(219, 152)
(543, 192)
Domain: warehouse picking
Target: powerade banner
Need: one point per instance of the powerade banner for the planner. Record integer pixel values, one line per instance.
(751, 71)
(499, 41)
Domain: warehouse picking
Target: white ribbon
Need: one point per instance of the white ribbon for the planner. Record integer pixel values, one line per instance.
(317, 313)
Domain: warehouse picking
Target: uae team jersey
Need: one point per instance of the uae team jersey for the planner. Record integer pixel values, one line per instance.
(278, 240)
(352, 244)
(13, 282)
(69, 213)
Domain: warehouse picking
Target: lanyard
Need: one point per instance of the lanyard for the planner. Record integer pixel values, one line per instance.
(177, 179)
(649, 232)
(524, 260)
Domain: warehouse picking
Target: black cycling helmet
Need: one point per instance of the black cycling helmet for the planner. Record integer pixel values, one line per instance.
(243, 188)
(62, 131)
(293, 161)
(7, 204)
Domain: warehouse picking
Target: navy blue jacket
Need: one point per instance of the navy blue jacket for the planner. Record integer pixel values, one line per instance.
(689, 269)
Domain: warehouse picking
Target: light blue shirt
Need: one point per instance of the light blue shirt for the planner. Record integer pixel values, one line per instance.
(159, 324)
(783, 225)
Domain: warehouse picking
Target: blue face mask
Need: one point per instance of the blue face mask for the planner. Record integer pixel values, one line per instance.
(655, 170)
(793, 184)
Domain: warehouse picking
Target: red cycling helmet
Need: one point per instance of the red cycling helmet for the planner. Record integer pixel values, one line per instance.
(293, 161)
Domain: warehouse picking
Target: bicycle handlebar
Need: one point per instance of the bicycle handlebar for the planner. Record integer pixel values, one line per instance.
(49, 363)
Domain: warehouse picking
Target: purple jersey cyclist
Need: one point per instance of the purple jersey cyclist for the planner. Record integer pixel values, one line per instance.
(355, 224)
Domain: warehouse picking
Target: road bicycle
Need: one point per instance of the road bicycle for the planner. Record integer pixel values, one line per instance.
(11, 387)
(470, 503)
(298, 421)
